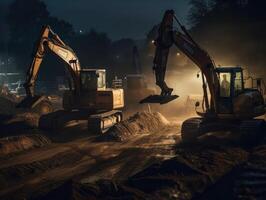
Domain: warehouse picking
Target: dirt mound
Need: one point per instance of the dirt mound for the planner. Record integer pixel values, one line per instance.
(12, 120)
(18, 122)
(15, 144)
(28, 118)
(140, 123)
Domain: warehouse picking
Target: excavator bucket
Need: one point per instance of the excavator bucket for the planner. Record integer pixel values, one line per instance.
(37, 104)
(159, 99)
(30, 102)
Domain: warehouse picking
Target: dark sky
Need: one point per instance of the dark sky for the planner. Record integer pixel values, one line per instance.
(118, 18)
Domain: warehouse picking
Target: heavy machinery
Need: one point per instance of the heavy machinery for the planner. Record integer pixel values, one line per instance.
(136, 87)
(87, 92)
(230, 106)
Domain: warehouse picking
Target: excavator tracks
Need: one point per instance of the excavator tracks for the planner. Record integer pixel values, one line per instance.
(97, 123)
(251, 183)
(191, 129)
(194, 127)
(100, 123)
(250, 130)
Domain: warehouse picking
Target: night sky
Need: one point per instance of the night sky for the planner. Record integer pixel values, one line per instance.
(118, 18)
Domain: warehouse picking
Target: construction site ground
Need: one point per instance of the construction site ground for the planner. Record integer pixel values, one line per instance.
(73, 163)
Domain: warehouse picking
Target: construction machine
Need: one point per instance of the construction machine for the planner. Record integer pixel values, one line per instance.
(136, 86)
(87, 92)
(230, 106)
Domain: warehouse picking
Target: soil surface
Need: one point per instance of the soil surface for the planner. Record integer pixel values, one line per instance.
(34, 171)
(142, 157)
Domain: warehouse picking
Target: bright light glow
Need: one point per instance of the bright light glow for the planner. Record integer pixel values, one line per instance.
(153, 41)
(178, 54)
(185, 83)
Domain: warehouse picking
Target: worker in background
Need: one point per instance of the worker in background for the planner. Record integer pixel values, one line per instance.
(225, 87)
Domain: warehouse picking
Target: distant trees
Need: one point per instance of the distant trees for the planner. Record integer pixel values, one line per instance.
(3, 31)
(122, 56)
(25, 19)
(199, 10)
(233, 31)
(93, 48)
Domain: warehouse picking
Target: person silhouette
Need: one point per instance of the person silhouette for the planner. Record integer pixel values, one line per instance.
(225, 87)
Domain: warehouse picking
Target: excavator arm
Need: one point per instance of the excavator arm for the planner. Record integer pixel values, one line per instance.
(167, 37)
(51, 41)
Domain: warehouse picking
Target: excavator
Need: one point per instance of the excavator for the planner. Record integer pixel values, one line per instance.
(230, 106)
(87, 94)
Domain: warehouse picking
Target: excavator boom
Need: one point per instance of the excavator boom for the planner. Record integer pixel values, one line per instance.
(52, 41)
(167, 36)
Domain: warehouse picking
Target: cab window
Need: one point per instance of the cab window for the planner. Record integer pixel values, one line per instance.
(88, 81)
(225, 79)
(101, 80)
(238, 83)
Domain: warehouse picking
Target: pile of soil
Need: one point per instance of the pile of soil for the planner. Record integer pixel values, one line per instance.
(12, 120)
(15, 144)
(140, 123)
(28, 118)
(13, 124)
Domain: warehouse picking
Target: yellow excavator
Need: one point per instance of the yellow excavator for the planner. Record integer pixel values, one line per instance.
(87, 94)
(230, 107)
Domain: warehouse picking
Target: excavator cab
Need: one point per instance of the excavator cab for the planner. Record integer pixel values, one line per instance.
(93, 79)
(231, 84)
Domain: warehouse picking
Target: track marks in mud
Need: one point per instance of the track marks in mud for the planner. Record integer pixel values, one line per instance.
(16, 144)
(185, 176)
(12, 175)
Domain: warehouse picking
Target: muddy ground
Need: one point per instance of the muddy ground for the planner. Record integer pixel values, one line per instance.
(148, 161)
(35, 172)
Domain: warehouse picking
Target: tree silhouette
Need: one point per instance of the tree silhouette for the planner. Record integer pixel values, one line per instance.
(199, 10)
(121, 54)
(233, 32)
(92, 48)
(3, 28)
(25, 19)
